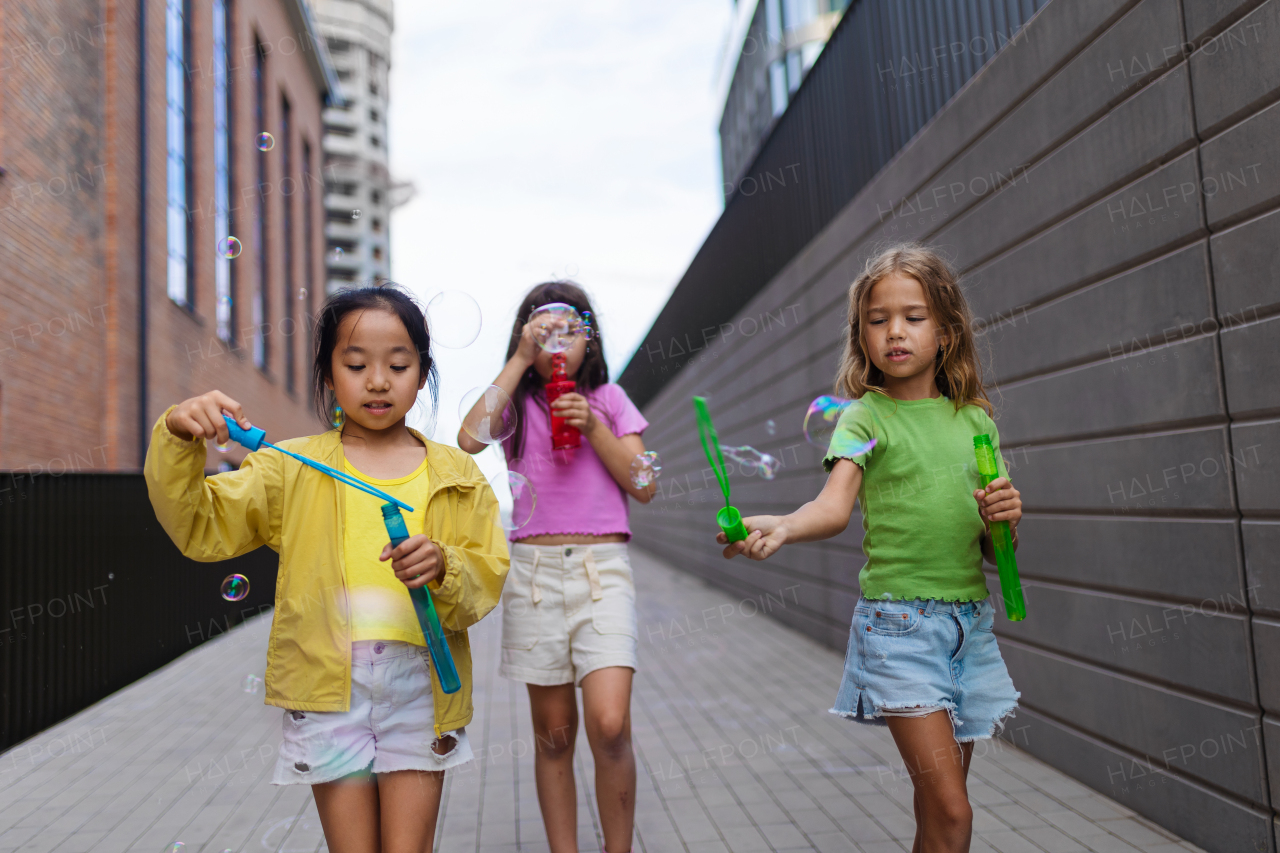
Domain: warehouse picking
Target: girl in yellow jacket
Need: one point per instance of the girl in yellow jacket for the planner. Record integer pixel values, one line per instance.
(365, 722)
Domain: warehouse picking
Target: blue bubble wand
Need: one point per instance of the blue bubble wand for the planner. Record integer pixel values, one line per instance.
(424, 608)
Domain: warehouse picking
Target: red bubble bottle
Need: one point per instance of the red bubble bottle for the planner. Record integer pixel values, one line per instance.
(563, 436)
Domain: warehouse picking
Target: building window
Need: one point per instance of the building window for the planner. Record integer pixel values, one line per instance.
(377, 253)
(180, 278)
(373, 87)
(287, 191)
(260, 230)
(373, 115)
(308, 242)
(344, 74)
(376, 196)
(376, 225)
(224, 226)
(778, 86)
(338, 45)
(375, 141)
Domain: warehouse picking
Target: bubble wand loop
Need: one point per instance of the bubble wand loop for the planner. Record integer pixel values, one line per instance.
(729, 519)
(424, 608)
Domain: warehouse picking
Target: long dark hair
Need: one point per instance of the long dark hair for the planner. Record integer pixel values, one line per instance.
(593, 373)
(383, 298)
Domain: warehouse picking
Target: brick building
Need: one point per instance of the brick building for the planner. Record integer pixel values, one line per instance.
(116, 297)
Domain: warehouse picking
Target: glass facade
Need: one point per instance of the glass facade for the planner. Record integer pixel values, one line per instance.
(260, 212)
(222, 225)
(179, 278)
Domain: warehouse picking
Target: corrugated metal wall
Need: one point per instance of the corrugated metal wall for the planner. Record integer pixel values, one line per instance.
(94, 595)
(1110, 187)
(890, 65)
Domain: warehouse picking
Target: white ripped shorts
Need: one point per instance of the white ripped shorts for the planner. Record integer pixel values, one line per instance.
(390, 727)
(567, 610)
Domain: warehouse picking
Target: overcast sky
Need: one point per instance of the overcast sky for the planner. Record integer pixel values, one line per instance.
(557, 138)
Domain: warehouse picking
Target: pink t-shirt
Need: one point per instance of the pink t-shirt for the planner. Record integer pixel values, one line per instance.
(574, 492)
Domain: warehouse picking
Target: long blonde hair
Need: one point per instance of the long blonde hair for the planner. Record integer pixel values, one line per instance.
(958, 374)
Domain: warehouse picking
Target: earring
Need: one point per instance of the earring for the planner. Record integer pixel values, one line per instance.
(338, 417)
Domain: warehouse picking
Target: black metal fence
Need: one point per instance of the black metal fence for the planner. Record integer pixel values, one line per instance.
(93, 595)
(888, 68)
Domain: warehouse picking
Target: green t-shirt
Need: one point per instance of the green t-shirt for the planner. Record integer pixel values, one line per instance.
(923, 533)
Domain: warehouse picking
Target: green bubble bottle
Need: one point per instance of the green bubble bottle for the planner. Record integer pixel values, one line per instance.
(1001, 540)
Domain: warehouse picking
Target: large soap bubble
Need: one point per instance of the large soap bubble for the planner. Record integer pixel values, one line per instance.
(557, 326)
(820, 420)
(751, 461)
(645, 468)
(453, 319)
(487, 414)
(235, 587)
(523, 498)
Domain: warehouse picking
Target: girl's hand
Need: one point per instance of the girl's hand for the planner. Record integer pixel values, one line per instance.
(1000, 501)
(416, 561)
(527, 349)
(766, 535)
(201, 417)
(576, 411)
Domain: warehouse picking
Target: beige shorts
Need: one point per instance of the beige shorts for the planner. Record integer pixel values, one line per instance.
(567, 610)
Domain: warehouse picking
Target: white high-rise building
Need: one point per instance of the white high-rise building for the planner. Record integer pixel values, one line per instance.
(358, 185)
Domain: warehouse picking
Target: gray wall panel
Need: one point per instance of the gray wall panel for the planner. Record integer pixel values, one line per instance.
(1237, 70)
(1153, 213)
(1253, 384)
(1185, 560)
(1255, 459)
(1188, 645)
(1201, 815)
(1237, 181)
(1262, 564)
(1246, 268)
(1150, 304)
(1166, 727)
(1208, 16)
(1048, 407)
(1266, 640)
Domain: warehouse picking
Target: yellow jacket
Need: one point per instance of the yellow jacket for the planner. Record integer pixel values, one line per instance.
(298, 512)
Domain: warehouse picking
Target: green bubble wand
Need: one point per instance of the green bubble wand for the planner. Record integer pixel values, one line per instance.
(729, 519)
(1015, 607)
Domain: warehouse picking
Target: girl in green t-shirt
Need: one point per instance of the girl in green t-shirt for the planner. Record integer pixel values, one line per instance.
(922, 656)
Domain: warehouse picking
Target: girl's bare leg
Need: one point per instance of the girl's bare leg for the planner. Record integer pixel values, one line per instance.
(606, 704)
(349, 813)
(410, 806)
(938, 767)
(555, 727)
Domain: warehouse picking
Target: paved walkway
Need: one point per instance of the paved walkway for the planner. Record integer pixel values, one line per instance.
(735, 748)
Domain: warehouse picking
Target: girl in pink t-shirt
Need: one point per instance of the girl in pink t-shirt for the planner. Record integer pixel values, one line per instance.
(568, 607)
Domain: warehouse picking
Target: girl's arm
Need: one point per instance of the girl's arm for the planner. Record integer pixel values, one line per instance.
(999, 501)
(507, 380)
(475, 560)
(218, 517)
(825, 516)
(616, 453)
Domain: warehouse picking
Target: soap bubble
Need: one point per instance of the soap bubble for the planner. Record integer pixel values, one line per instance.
(337, 253)
(750, 461)
(302, 293)
(645, 468)
(266, 141)
(222, 446)
(355, 214)
(820, 420)
(229, 247)
(524, 499)
(225, 300)
(111, 576)
(771, 427)
(487, 414)
(845, 449)
(235, 587)
(251, 683)
(175, 847)
(556, 327)
(453, 319)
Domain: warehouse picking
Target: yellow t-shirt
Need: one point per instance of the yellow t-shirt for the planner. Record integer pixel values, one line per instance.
(380, 605)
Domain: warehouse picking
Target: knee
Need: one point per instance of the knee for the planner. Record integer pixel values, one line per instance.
(610, 734)
(954, 814)
(555, 739)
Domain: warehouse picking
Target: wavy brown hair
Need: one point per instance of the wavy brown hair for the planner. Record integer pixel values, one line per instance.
(957, 373)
